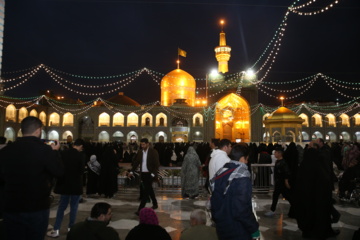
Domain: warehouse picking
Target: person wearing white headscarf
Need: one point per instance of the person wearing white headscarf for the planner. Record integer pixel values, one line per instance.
(94, 167)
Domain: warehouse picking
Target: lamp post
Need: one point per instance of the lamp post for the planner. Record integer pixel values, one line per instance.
(282, 100)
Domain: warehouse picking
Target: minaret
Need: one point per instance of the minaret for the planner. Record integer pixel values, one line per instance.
(222, 52)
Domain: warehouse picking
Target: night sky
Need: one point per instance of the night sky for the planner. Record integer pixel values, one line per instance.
(101, 38)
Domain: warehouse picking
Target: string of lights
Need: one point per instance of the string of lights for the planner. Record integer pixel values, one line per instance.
(322, 10)
(72, 110)
(289, 90)
(291, 82)
(124, 82)
(93, 94)
(52, 74)
(29, 73)
(336, 90)
(23, 102)
(92, 77)
(21, 70)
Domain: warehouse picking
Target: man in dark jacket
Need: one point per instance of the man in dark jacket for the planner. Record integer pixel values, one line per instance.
(27, 168)
(282, 185)
(231, 205)
(70, 185)
(95, 227)
(148, 159)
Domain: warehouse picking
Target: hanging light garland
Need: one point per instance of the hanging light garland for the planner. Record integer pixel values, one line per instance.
(92, 77)
(290, 90)
(72, 110)
(52, 74)
(30, 75)
(322, 10)
(98, 93)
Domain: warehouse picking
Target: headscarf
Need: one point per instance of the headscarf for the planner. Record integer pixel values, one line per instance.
(148, 216)
(94, 165)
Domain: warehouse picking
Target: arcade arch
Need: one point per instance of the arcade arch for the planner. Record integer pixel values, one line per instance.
(118, 120)
(54, 120)
(132, 120)
(198, 120)
(33, 113)
(345, 120)
(146, 120)
(104, 136)
(23, 113)
(9, 134)
(42, 117)
(316, 135)
(53, 135)
(330, 120)
(104, 120)
(306, 119)
(161, 137)
(330, 136)
(68, 120)
(161, 120)
(10, 113)
(316, 120)
(66, 135)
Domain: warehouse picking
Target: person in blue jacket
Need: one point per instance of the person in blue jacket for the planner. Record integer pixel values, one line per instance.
(231, 205)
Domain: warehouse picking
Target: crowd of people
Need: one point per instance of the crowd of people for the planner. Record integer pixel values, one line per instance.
(303, 176)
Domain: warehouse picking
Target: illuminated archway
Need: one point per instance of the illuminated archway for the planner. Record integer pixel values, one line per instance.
(54, 120)
(345, 136)
(132, 120)
(33, 113)
(330, 137)
(198, 120)
(306, 119)
(357, 119)
(118, 120)
(316, 135)
(23, 112)
(53, 135)
(42, 117)
(104, 120)
(357, 137)
(345, 120)
(305, 136)
(66, 134)
(233, 118)
(104, 136)
(68, 119)
(10, 114)
(316, 120)
(161, 137)
(330, 120)
(161, 120)
(132, 136)
(9, 134)
(146, 120)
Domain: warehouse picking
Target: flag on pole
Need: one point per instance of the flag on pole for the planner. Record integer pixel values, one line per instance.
(181, 52)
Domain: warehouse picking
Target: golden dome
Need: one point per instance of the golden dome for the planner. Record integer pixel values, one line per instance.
(283, 113)
(177, 84)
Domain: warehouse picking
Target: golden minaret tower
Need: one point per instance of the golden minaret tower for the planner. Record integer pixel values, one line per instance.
(222, 52)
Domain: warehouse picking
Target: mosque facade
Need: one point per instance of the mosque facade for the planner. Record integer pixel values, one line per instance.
(228, 113)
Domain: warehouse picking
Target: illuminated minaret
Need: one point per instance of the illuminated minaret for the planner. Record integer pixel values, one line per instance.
(222, 52)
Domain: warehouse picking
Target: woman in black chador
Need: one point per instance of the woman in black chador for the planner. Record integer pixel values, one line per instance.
(109, 172)
(313, 197)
